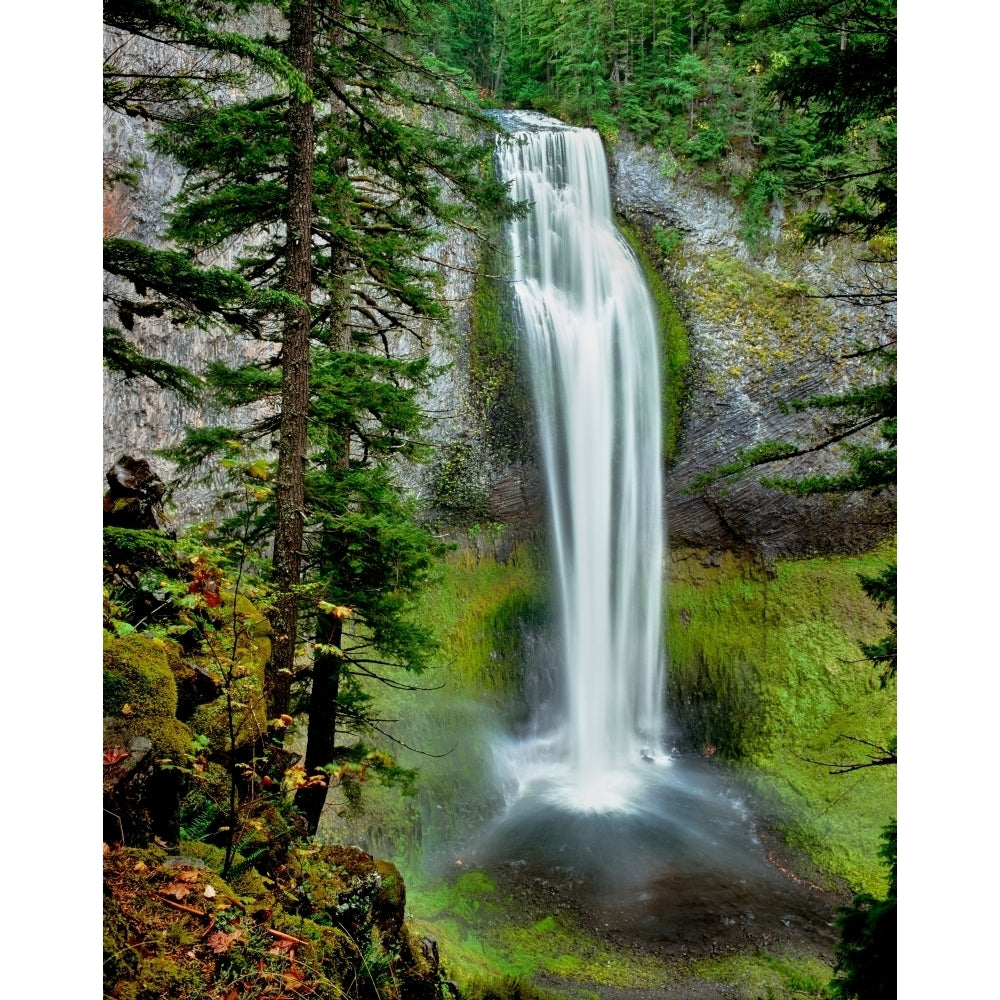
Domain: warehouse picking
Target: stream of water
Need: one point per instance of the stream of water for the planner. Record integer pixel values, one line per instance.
(590, 333)
(657, 849)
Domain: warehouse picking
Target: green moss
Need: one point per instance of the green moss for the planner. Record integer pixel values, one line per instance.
(673, 340)
(248, 884)
(137, 678)
(776, 321)
(165, 976)
(481, 608)
(171, 739)
(766, 670)
(461, 497)
(483, 935)
(767, 977)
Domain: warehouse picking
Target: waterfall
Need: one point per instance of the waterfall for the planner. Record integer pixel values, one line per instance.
(590, 335)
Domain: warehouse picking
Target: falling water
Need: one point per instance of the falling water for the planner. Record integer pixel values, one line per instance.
(591, 339)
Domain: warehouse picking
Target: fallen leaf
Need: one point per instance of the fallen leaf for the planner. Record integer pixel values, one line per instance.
(128, 710)
(177, 889)
(220, 942)
(294, 975)
(141, 866)
(114, 754)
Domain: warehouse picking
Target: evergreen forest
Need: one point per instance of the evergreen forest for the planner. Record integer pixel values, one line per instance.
(303, 244)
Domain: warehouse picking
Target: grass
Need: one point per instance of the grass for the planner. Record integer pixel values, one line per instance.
(768, 977)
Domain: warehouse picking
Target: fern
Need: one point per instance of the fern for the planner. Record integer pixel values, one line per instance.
(198, 818)
(245, 857)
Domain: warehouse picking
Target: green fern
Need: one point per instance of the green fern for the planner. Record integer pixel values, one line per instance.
(198, 816)
(245, 857)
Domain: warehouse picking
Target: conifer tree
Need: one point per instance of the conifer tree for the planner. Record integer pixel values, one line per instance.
(164, 59)
(335, 201)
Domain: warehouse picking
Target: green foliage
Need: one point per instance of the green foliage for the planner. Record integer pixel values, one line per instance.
(388, 168)
(195, 24)
(762, 189)
(122, 358)
(866, 951)
(841, 67)
(867, 413)
(668, 240)
(777, 97)
(882, 590)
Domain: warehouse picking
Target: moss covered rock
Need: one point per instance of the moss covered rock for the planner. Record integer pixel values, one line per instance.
(138, 680)
(145, 745)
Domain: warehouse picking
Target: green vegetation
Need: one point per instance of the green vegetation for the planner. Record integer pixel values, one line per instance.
(771, 99)
(768, 976)
(481, 607)
(333, 181)
(673, 333)
(767, 670)
(482, 934)
(866, 952)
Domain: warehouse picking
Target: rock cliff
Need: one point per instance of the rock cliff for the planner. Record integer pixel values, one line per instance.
(756, 338)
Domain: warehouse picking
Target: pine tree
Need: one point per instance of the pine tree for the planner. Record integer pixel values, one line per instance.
(842, 72)
(335, 202)
(165, 59)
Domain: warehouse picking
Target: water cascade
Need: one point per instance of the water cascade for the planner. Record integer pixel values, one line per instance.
(658, 847)
(590, 335)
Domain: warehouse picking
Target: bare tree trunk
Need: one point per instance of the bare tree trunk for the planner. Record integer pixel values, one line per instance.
(290, 486)
(321, 738)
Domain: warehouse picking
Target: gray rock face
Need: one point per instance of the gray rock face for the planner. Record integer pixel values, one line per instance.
(754, 341)
(757, 339)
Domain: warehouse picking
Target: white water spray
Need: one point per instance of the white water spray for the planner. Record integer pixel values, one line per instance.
(591, 336)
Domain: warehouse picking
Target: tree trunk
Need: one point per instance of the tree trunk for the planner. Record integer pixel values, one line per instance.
(290, 486)
(321, 732)
(321, 737)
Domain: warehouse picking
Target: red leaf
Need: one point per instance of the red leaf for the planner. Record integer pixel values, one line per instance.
(114, 754)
